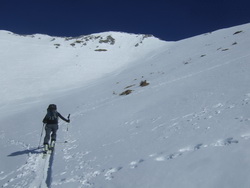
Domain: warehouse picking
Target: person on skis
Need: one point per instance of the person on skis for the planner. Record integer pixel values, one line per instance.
(51, 121)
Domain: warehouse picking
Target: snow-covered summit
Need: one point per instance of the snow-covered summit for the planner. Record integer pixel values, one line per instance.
(95, 41)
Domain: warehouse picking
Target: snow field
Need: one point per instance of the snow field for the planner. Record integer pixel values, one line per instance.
(188, 128)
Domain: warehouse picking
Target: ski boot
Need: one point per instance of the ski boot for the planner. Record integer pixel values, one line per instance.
(46, 148)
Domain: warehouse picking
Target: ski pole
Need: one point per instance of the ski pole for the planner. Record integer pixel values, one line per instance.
(41, 136)
(67, 130)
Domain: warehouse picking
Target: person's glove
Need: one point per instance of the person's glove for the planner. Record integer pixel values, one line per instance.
(68, 118)
(68, 121)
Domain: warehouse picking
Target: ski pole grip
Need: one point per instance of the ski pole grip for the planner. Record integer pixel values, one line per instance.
(68, 116)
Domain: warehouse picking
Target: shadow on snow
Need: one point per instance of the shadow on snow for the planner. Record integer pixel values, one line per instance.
(27, 151)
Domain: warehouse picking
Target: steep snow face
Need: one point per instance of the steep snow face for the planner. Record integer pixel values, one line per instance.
(43, 64)
(189, 127)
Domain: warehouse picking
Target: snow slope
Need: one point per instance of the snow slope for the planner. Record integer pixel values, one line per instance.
(188, 128)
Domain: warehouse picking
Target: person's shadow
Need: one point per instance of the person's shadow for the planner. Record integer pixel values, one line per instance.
(27, 151)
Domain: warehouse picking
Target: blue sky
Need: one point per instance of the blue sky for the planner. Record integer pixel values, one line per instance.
(168, 20)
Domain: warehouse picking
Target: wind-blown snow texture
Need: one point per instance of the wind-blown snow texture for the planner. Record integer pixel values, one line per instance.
(190, 127)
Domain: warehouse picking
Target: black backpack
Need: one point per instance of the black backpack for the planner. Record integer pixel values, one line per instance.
(52, 115)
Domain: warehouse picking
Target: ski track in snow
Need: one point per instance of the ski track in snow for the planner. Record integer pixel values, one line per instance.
(35, 173)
